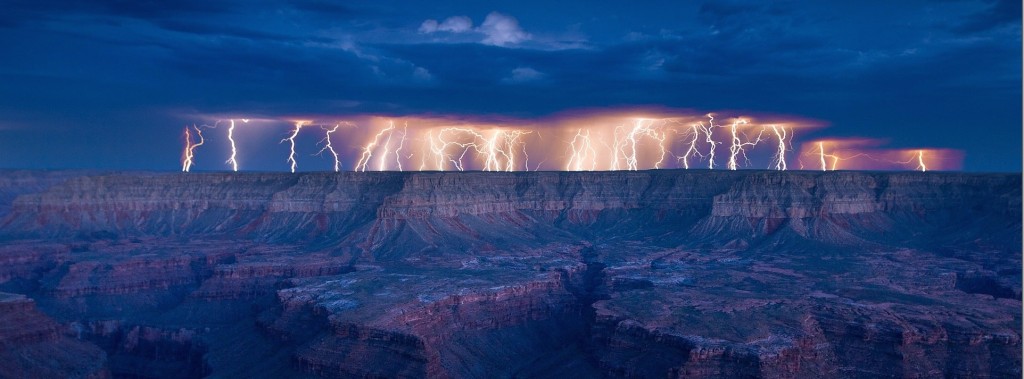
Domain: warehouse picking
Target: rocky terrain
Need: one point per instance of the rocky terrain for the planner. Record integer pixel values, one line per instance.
(464, 275)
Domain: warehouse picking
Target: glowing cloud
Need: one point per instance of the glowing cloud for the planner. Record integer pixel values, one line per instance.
(869, 154)
(597, 140)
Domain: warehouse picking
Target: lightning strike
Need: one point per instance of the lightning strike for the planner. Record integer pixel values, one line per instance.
(692, 150)
(582, 152)
(780, 154)
(624, 146)
(291, 141)
(829, 161)
(707, 137)
(498, 148)
(821, 155)
(364, 159)
(398, 156)
(234, 152)
(330, 148)
(190, 148)
(382, 161)
(598, 143)
(738, 146)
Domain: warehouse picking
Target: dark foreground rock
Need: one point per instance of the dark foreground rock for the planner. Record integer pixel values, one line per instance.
(618, 274)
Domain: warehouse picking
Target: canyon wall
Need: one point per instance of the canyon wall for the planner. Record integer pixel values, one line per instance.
(603, 274)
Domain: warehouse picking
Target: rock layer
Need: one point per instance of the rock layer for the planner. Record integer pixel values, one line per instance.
(612, 274)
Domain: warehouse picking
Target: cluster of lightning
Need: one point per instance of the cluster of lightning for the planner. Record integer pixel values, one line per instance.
(499, 148)
(830, 155)
(624, 146)
(639, 143)
(694, 134)
(651, 136)
(738, 147)
(582, 152)
(382, 145)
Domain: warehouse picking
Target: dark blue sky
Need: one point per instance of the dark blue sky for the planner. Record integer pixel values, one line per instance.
(109, 84)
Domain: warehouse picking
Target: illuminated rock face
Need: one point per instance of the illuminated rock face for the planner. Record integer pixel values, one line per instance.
(615, 274)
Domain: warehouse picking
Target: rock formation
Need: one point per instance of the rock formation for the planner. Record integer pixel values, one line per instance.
(603, 274)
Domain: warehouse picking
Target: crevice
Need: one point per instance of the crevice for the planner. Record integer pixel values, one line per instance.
(590, 290)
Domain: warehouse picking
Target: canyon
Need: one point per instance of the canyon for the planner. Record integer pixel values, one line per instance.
(661, 273)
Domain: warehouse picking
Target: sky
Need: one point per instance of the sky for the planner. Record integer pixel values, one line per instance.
(110, 84)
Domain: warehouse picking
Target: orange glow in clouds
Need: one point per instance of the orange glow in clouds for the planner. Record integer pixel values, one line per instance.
(595, 141)
(868, 154)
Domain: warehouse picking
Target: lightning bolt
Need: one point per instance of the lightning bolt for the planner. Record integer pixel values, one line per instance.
(291, 141)
(382, 161)
(821, 156)
(437, 149)
(329, 147)
(190, 148)
(707, 133)
(398, 157)
(234, 151)
(445, 145)
(738, 146)
(916, 156)
(824, 158)
(364, 160)
(582, 152)
(692, 149)
(780, 154)
(498, 148)
(526, 156)
(625, 143)
(504, 142)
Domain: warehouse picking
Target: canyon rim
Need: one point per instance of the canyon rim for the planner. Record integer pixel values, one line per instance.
(665, 273)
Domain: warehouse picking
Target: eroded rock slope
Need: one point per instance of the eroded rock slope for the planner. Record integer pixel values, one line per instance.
(611, 274)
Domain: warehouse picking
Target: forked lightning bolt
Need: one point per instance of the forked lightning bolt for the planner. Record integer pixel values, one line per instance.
(707, 133)
(692, 150)
(499, 150)
(364, 159)
(291, 141)
(738, 146)
(584, 156)
(330, 148)
(780, 154)
(401, 144)
(625, 143)
(190, 148)
(638, 143)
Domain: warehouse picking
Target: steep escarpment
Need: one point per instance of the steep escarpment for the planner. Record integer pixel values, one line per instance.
(611, 274)
(34, 345)
(333, 207)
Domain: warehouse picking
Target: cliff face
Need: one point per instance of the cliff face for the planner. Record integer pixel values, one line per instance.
(617, 274)
(34, 345)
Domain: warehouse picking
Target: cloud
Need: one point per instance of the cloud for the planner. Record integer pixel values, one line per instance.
(501, 30)
(421, 74)
(497, 29)
(1001, 12)
(523, 75)
(454, 24)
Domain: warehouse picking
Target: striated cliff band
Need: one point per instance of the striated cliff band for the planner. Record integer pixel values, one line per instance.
(480, 275)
